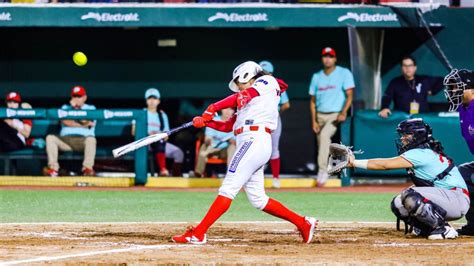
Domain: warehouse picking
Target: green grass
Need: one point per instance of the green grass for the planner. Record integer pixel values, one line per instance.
(136, 206)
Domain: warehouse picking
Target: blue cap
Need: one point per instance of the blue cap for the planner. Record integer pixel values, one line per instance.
(152, 92)
(267, 66)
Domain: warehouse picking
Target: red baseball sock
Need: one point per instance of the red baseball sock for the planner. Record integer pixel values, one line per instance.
(218, 208)
(161, 160)
(277, 209)
(275, 164)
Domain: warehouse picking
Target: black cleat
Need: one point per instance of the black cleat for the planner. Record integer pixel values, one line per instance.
(466, 230)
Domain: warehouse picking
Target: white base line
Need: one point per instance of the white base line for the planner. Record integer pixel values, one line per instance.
(92, 253)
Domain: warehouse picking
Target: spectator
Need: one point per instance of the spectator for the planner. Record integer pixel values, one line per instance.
(283, 106)
(158, 122)
(14, 132)
(331, 92)
(409, 91)
(216, 143)
(75, 135)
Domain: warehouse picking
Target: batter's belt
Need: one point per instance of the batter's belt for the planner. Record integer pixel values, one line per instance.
(243, 129)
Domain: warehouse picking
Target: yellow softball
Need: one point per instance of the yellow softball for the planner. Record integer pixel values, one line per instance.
(79, 58)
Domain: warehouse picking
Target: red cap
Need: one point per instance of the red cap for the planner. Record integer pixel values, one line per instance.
(13, 96)
(78, 91)
(328, 51)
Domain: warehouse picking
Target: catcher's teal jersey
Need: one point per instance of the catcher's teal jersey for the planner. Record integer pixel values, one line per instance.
(427, 164)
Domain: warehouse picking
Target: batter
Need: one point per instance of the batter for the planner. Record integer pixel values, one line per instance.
(256, 98)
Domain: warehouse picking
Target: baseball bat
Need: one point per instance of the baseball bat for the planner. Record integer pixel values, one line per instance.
(120, 151)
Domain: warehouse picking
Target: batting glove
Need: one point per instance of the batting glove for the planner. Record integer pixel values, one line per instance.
(198, 122)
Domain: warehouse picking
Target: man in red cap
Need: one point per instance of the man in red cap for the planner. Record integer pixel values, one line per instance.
(75, 135)
(331, 92)
(14, 132)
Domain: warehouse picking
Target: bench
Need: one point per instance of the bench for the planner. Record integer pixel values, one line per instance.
(42, 128)
(110, 133)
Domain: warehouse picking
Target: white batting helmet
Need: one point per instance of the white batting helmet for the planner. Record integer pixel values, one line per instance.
(243, 73)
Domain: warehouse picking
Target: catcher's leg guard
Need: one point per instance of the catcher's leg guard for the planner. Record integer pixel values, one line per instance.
(423, 210)
(397, 208)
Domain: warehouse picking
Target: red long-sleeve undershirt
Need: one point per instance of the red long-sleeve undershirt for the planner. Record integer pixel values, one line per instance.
(231, 101)
(223, 126)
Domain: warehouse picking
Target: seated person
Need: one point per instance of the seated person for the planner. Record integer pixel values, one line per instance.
(216, 143)
(409, 92)
(158, 122)
(75, 135)
(14, 132)
(440, 193)
(176, 154)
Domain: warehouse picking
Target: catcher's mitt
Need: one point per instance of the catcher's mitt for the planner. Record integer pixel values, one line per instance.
(339, 155)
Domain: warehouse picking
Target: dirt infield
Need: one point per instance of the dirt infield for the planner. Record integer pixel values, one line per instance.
(252, 243)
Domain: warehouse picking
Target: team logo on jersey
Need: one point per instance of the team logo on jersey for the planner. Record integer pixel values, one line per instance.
(235, 17)
(108, 17)
(366, 17)
(5, 16)
(239, 155)
(262, 81)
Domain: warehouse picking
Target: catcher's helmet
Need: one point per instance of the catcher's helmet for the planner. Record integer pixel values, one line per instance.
(243, 73)
(456, 82)
(420, 132)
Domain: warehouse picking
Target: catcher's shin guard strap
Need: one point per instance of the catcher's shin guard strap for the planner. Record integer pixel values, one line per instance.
(361, 164)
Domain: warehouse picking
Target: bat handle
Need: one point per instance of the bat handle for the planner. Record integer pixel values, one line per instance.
(188, 124)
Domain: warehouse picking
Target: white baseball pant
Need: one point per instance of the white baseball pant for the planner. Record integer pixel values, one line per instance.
(246, 168)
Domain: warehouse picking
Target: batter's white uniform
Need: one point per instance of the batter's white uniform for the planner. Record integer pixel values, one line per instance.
(253, 147)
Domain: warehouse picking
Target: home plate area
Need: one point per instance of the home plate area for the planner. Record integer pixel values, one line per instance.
(240, 242)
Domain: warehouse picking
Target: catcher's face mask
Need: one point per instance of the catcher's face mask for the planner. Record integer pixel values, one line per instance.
(454, 89)
(403, 142)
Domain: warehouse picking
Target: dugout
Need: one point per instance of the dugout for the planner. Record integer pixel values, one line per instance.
(189, 51)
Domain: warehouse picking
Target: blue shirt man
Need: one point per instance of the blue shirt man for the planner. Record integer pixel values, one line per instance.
(331, 92)
(75, 135)
(78, 131)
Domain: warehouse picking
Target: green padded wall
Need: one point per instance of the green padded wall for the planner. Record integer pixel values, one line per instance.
(124, 62)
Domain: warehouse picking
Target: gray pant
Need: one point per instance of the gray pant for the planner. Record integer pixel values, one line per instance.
(467, 172)
(454, 202)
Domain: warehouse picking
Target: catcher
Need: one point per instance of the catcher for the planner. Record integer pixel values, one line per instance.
(439, 194)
